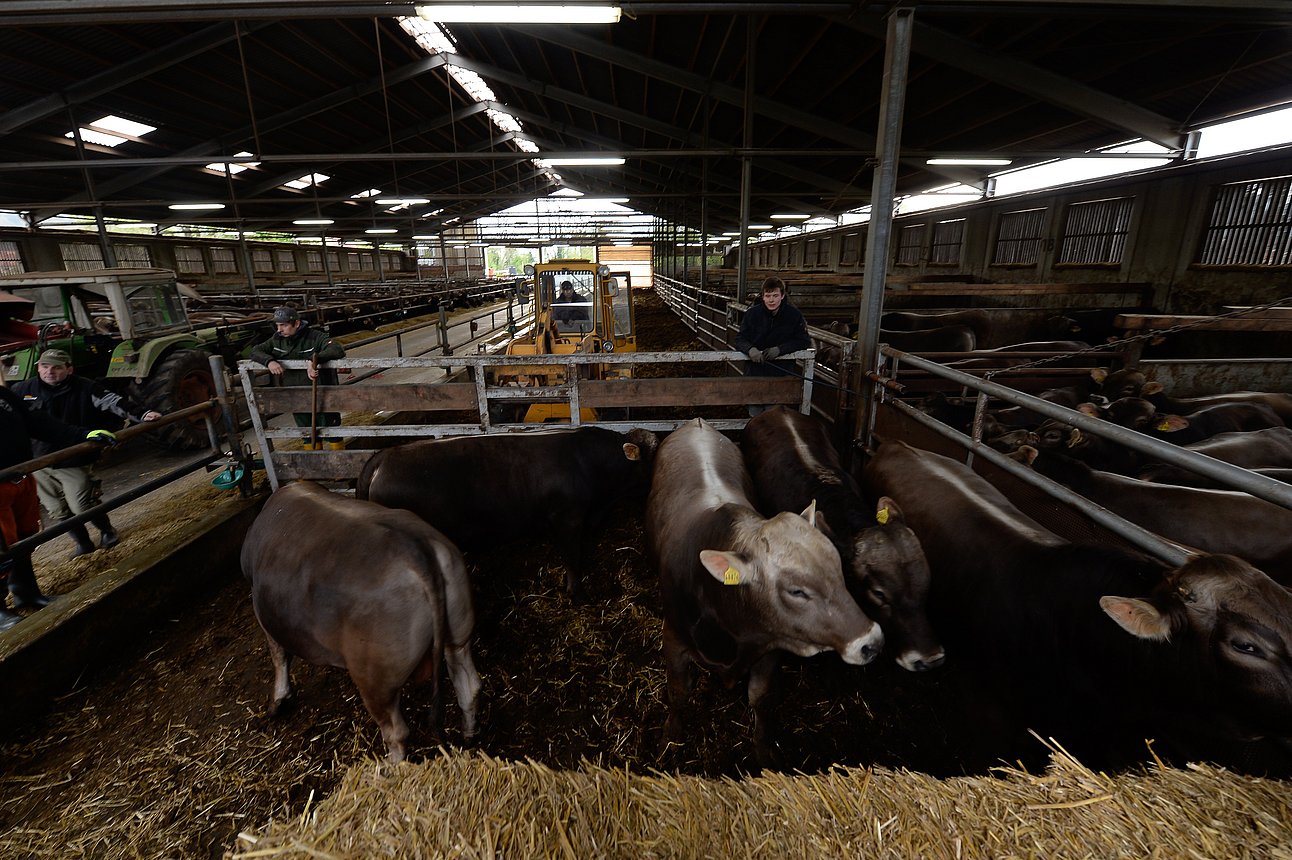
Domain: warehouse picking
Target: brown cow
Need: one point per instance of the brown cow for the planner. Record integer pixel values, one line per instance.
(793, 462)
(737, 588)
(1093, 642)
(375, 591)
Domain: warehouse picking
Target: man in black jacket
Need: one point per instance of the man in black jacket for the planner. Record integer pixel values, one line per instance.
(294, 339)
(71, 487)
(771, 328)
(19, 507)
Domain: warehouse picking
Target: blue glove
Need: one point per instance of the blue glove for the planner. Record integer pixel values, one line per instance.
(107, 437)
(755, 355)
(771, 352)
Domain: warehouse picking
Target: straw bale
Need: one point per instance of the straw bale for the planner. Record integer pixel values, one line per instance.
(473, 805)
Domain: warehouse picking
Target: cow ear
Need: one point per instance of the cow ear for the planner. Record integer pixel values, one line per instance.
(632, 452)
(810, 514)
(726, 567)
(1151, 388)
(1025, 454)
(1137, 617)
(886, 510)
(1088, 409)
(1171, 423)
(1098, 374)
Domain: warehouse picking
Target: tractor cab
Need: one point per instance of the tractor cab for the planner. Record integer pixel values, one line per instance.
(576, 307)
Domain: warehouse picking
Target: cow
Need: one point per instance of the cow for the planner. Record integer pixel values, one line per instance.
(792, 461)
(1217, 521)
(976, 320)
(558, 485)
(1161, 473)
(738, 588)
(1252, 449)
(1092, 643)
(1280, 403)
(952, 338)
(378, 592)
(1003, 354)
(1142, 416)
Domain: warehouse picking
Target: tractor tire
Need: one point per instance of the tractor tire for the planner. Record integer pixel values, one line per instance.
(181, 379)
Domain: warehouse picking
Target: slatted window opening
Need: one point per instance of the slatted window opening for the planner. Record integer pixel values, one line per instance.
(352, 260)
(285, 260)
(133, 256)
(80, 256)
(1250, 225)
(313, 260)
(948, 238)
(810, 252)
(1095, 231)
(223, 261)
(262, 261)
(1019, 237)
(11, 259)
(910, 245)
(188, 260)
(850, 253)
(334, 261)
(791, 254)
(366, 262)
(825, 252)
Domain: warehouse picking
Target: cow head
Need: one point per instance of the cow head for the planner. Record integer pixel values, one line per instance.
(890, 578)
(1121, 383)
(1233, 626)
(792, 584)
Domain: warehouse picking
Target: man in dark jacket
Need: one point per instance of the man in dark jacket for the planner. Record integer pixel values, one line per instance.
(19, 506)
(71, 487)
(294, 339)
(771, 328)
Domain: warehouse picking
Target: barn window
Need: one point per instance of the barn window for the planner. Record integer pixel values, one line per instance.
(334, 261)
(1095, 231)
(850, 255)
(791, 254)
(80, 256)
(188, 260)
(1250, 225)
(366, 262)
(810, 251)
(910, 245)
(223, 260)
(1019, 237)
(948, 238)
(825, 253)
(262, 260)
(285, 260)
(313, 260)
(352, 261)
(133, 256)
(11, 259)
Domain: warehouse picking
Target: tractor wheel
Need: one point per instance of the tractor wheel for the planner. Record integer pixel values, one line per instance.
(181, 379)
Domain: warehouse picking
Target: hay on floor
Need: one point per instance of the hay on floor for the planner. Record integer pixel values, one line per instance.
(473, 806)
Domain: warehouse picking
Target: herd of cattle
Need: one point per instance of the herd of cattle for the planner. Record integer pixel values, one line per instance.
(771, 548)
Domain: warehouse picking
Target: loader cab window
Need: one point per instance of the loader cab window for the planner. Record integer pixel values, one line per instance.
(572, 302)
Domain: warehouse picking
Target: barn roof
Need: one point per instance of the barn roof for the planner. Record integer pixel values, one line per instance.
(340, 88)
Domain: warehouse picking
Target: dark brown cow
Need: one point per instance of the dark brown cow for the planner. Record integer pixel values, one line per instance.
(556, 485)
(1253, 449)
(375, 591)
(1280, 403)
(1093, 642)
(737, 588)
(1218, 521)
(952, 338)
(976, 320)
(1160, 473)
(792, 462)
(1142, 416)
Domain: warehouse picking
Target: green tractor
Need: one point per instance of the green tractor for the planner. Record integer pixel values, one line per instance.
(125, 327)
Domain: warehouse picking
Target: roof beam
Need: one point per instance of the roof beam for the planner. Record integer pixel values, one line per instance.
(132, 70)
(1043, 85)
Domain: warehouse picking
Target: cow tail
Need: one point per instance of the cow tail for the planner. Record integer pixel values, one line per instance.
(432, 666)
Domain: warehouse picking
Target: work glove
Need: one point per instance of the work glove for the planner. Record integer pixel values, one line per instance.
(755, 355)
(771, 352)
(107, 437)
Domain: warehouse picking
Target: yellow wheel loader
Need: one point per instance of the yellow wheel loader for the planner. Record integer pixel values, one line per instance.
(576, 307)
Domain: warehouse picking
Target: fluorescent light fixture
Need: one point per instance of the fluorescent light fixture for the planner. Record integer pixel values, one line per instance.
(402, 201)
(760, 226)
(374, 230)
(303, 221)
(464, 13)
(605, 199)
(584, 162)
(196, 206)
(987, 162)
(789, 216)
(426, 237)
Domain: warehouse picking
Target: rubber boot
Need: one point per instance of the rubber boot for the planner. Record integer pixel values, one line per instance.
(7, 618)
(81, 537)
(312, 446)
(23, 587)
(107, 534)
(336, 444)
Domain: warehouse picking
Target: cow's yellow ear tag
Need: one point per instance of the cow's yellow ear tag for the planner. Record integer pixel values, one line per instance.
(1164, 426)
(882, 516)
(731, 576)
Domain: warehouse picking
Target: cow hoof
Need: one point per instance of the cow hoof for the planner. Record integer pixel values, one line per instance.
(282, 707)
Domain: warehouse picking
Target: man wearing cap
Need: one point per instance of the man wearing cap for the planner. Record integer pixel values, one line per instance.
(295, 339)
(19, 507)
(71, 487)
